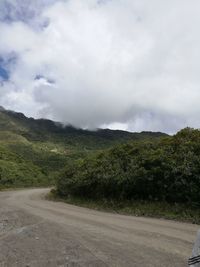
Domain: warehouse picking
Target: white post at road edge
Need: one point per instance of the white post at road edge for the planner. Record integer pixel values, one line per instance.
(194, 261)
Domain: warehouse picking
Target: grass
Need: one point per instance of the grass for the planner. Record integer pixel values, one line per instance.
(177, 212)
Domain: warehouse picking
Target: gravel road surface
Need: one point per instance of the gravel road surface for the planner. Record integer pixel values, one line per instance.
(35, 232)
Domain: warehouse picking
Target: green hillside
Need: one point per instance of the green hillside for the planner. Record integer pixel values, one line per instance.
(32, 152)
(167, 170)
(43, 130)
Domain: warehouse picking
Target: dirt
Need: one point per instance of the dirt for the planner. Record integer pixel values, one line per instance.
(37, 232)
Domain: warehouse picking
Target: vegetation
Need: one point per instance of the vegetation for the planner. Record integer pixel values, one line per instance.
(166, 171)
(132, 173)
(156, 209)
(32, 152)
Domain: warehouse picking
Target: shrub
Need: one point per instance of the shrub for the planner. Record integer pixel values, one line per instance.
(165, 170)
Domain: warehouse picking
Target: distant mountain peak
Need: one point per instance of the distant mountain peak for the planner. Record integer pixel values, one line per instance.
(2, 108)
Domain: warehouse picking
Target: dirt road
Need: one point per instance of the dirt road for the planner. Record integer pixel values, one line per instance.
(36, 232)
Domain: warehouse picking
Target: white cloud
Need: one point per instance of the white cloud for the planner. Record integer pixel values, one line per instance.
(125, 64)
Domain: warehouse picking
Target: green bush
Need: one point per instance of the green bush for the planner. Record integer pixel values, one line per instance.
(165, 170)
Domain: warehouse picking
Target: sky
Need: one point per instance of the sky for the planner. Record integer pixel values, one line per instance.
(121, 64)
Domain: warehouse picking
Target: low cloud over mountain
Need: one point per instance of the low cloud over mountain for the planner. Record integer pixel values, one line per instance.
(131, 64)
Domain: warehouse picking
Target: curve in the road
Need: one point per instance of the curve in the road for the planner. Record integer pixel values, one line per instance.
(113, 239)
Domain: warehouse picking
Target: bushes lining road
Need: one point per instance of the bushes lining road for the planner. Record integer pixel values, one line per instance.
(167, 170)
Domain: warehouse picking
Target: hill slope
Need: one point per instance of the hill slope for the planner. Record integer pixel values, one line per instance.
(47, 130)
(167, 170)
(32, 151)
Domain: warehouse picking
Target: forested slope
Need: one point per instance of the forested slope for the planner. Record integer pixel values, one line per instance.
(33, 152)
(164, 170)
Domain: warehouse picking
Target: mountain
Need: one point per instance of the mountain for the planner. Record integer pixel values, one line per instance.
(44, 130)
(33, 151)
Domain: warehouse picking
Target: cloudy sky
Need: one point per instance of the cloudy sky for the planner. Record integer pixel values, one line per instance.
(123, 64)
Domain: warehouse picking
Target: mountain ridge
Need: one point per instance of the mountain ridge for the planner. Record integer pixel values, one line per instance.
(45, 125)
(34, 151)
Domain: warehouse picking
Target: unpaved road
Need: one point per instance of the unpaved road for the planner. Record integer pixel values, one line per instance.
(36, 232)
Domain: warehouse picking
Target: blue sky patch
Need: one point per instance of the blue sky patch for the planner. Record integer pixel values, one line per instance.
(4, 73)
(7, 62)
